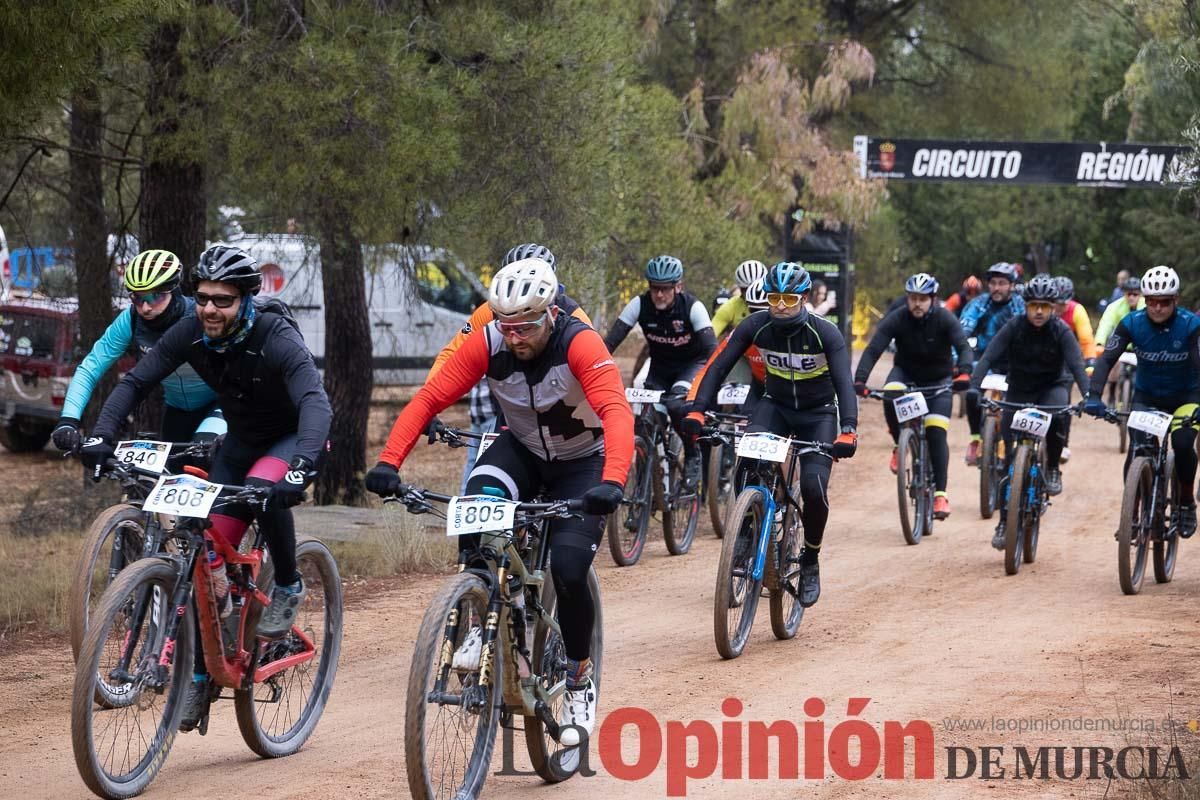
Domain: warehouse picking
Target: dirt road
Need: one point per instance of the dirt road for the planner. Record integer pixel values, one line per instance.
(934, 632)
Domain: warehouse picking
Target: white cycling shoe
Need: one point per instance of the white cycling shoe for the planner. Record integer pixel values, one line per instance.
(466, 657)
(578, 714)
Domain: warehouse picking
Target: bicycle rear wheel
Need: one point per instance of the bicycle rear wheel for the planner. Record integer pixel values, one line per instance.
(627, 525)
(451, 716)
(989, 468)
(682, 511)
(1166, 544)
(719, 485)
(1137, 517)
(786, 611)
(120, 750)
(552, 761)
(114, 540)
(277, 716)
(909, 490)
(1015, 530)
(737, 592)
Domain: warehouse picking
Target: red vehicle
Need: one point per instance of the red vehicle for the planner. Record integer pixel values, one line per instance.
(39, 348)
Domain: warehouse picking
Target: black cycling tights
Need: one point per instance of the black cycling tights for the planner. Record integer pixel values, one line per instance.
(510, 469)
(813, 425)
(940, 408)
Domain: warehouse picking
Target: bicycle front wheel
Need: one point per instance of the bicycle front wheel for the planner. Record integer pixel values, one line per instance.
(909, 489)
(451, 715)
(1166, 543)
(627, 526)
(1014, 532)
(989, 469)
(277, 715)
(552, 761)
(737, 593)
(786, 611)
(119, 750)
(683, 510)
(1137, 519)
(115, 540)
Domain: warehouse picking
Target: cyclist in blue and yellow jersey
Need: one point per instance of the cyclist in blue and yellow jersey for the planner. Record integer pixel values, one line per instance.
(680, 337)
(156, 303)
(924, 334)
(809, 395)
(1166, 339)
(982, 318)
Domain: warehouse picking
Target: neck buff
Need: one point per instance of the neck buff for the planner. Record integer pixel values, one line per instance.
(792, 324)
(170, 315)
(239, 331)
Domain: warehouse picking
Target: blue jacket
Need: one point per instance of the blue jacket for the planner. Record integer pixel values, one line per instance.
(982, 318)
(182, 389)
(1168, 355)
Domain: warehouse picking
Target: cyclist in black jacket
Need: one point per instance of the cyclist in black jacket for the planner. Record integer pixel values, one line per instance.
(809, 395)
(274, 403)
(679, 334)
(924, 333)
(1043, 356)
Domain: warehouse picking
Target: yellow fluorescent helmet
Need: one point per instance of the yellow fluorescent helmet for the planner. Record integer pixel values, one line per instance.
(152, 269)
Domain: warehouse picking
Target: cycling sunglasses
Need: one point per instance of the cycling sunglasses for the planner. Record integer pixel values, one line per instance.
(1160, 302)
(522, 330)
(1040, 305)
(788, 299)
(152, 298)
(218, 300)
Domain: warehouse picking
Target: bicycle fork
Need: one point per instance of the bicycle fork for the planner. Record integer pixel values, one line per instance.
(764, 533)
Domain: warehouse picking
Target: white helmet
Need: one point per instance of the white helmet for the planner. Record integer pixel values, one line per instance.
(755, 296)
(1160, 281)
(523, 286)
(748, 272)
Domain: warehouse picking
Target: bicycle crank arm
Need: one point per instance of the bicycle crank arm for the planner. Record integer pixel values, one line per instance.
(543, 713)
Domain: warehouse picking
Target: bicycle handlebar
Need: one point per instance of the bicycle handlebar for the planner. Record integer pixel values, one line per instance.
(411, 495)
(882, 394)
(1075, 409)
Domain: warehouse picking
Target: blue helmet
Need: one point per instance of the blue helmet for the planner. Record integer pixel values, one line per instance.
(664, 269)
(787, 277)
(921, 283)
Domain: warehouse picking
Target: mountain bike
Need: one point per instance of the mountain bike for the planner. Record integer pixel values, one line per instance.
(123, 533)
(1023, 490)
(1120, 397)
(915, 485)
(452, 714)
(1148, 501)
(991, 449)
(654, 482)
(720, 483)
(764, 537)
(141, 638)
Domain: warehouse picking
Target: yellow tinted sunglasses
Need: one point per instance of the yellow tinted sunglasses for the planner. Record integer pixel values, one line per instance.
(788, 300)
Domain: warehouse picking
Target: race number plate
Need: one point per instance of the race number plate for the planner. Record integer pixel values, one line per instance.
(643, 395)
(733, 394)
(763, 445)
(478, 513)
(1128, 358)
(994, 382)
(1031, 422)
(485, 443)
(1155, 423)
(910, 406)
(143, 454)
(182, 496)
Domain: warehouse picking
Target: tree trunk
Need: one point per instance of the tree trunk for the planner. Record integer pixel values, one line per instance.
(174, 197)
(348, 367)
(88, 224)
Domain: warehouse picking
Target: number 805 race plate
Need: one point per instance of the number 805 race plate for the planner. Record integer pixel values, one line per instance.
(478, 514)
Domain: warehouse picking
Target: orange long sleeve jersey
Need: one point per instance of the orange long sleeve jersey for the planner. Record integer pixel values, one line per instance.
(480, 318)
(567, 403)
(758, 369)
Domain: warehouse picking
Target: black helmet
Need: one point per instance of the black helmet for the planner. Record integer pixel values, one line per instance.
(530, 250)
(1042, 288)
(1132, 285)
(229, 265)
(1066, 288)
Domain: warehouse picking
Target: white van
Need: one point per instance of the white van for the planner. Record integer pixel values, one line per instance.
(418, 298)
